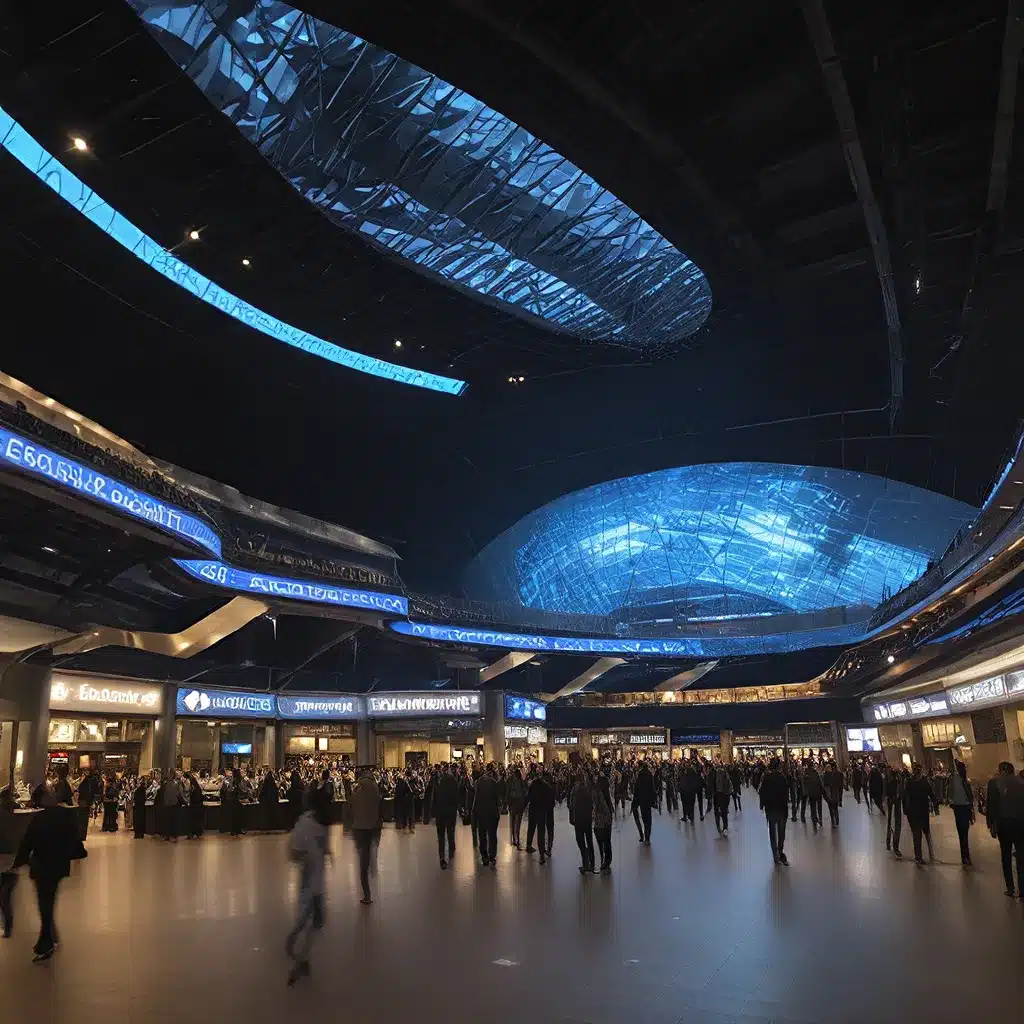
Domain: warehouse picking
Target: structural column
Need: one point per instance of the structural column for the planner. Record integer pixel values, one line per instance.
(29, 687)
(494, 725)
(366, 743)
(166, 739)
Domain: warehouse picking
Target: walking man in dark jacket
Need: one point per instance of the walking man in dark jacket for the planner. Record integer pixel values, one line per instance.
(917, 801)
(1004, 814)
(581, 811)
(540, 804)
(832, 785)
(486, 811)
(774, 797)
(689, 790)
(444, 795)
(643, 801)
(895, 779)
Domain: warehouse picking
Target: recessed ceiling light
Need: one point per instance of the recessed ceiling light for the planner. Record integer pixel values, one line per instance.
(194, 235)
(521, 379)
(80, 144)
(890, 659)
(245, 262)
(49, 550)
(398, 342)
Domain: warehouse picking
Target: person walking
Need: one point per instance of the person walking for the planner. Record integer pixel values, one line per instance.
(365, 826)
(8, 877)
(111, 793)
(832, 788)
(795, 791)
(540, 803)
(895, 780)
(721, 788)
(270, 803)
(857, 781)
(296, 799)
(917, 802)
(1004, 814)
(671, 793)
(139, 808)
(813, 790)
(403, 804)
(486, 812)
(603, 821)
(515, 793)
(774, 797)
(49, 845)
(689, 790)
(961, 799)
(196, 811)
(643, 801)
(170, 801)
(308, 848)
(736, 779)
(444, 799)
(876, 788)
(581, 815)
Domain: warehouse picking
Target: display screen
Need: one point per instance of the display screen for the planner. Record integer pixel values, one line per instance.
(912, 707)
(692, 738)
(259, 583)
(72, 476)
(236, 748)
(863, 740)
(523, 707)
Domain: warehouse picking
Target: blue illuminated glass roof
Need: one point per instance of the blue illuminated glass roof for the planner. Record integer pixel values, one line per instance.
(428, 173)
(718, 541)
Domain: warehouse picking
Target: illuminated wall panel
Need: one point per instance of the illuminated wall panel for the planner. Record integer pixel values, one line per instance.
(425, 171)
(720, 540)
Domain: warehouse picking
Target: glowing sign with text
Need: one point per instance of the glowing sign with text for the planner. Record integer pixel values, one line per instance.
(315, 706)
(397, 705)
(225, 704)
(913, 707)
(72, 476)
(247, 582)
(73, 693)
(983, 692)
(76, 193)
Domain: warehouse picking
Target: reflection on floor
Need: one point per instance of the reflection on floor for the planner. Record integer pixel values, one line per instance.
(693, 928)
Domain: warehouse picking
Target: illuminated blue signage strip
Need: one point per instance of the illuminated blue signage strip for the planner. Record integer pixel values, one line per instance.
(226, 704)
(523, 708)
(246, 582)
(76, 193)
(72, 476)
(320, 706)
(714, 647)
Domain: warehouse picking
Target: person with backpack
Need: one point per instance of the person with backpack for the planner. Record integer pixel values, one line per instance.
(1004, 814)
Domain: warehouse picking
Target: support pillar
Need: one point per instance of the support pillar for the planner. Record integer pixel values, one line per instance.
(494, 726)
(29, 687)
(366, 743)
(165, 740)
(1013, 738)
(725, 743)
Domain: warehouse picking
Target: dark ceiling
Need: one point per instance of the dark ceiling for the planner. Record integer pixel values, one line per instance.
(714, 119)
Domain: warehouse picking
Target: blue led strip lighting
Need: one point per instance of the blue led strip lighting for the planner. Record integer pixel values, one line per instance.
(258, 583)
(424, 171)
(72, 476)
(76, 193)
(703, 647)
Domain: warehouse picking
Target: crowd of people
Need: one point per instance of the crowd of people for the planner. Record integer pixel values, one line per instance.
(479, 795)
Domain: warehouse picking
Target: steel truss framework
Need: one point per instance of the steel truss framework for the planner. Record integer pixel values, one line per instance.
(423, 170)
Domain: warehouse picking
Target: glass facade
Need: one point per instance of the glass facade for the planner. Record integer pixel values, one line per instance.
(427, 172)
(707, 544)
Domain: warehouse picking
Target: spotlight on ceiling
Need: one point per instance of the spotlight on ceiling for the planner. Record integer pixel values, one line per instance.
(80, 144)
(245, 262)
(194, 235)
(398, 342)
(521, 379)
(49, 550)
(890, 659)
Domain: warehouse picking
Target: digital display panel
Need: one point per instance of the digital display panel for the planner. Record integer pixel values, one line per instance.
(71, 476)
(910, 707)
(984, 691)
(27, 151)
(431, 175)
(863, 740)
(246, 582)
(226, 704)
(523, 707)
(236, 748)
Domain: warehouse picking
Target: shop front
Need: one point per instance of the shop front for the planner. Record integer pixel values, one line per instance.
(762, 746)
(566, 745)
(622, 744)
(687, 743)
(524, 743)
(218, 730)
(864, 743)
(811, 740)
(102, 724)
(318, 730)
(414, 728)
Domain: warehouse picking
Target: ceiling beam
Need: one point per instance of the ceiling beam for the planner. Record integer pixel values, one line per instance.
(685, 679)
(835, 81)
(588, 676)
(510, 661)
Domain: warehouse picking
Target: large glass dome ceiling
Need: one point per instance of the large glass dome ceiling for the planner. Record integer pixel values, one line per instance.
(423, 170)
(718, 541)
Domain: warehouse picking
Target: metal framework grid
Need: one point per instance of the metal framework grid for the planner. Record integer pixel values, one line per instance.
(423, 170)
(721, 541)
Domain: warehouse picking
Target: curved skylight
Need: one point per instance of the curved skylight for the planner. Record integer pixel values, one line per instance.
(427, 172)
(717, 542)
(48, 169)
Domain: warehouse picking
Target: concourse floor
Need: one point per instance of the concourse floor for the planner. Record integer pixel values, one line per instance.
(693, 928)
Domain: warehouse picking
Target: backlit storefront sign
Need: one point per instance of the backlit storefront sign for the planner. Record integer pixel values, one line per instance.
(522, 707)
(316, 707)
(397, 705)
(767, 739)
(534, 735)
(564, 740)
(246, 582)
(225, 704)
(646, 739)
(983, 692)
(74, 693)
(694, 738)
(75, 478)
(912, 707)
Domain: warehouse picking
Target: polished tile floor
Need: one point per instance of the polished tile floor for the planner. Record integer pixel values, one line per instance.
(692, 928)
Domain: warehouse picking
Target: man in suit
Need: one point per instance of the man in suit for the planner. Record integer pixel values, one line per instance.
(444, 798)
(486, 811)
